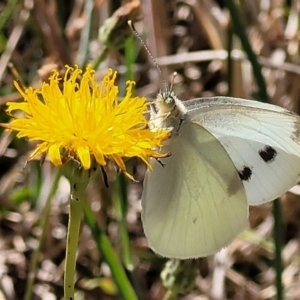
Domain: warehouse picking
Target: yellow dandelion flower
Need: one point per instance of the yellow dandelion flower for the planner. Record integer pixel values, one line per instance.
(84, 119)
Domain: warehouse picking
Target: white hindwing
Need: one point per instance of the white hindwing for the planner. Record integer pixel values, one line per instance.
(262, 140)
(196, 204)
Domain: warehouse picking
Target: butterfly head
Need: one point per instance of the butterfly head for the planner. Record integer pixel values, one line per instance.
(165, 102)
(167, 111)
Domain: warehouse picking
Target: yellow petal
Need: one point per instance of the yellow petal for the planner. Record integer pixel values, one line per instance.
(84, 156)
(54, 155)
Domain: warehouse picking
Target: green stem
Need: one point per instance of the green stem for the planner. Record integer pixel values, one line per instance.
(239, 29)
(76, 198)
(43, 224)
(7, 11)
(85, 33)
(278, 246)
(120, 204)
(129, 58)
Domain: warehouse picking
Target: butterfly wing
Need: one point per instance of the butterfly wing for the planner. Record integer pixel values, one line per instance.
(216, 103)
(196, 204)
(262, 140)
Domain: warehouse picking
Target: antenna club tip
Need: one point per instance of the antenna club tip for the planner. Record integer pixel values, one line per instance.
(130, 24)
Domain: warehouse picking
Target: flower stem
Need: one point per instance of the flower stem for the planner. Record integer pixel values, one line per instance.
(76, 198)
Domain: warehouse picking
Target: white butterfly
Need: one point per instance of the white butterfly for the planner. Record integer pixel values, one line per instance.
(226, 154)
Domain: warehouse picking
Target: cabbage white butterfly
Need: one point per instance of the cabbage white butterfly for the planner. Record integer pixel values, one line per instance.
(226, 153)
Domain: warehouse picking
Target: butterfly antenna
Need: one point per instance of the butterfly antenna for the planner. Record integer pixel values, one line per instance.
(150, 55)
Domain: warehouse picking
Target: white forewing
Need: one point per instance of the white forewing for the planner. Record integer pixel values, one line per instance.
(217, 103)
(262, 140)
(196, 204)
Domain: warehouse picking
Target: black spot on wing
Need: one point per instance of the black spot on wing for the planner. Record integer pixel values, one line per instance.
(268, 154)
(245, 174)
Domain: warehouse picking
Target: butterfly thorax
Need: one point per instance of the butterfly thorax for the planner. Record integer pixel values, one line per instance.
(167, 111)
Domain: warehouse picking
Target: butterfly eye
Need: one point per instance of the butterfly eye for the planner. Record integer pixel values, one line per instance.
(169, 100)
